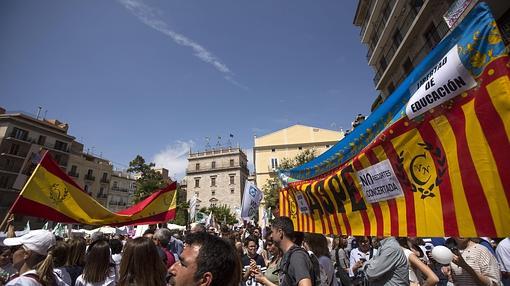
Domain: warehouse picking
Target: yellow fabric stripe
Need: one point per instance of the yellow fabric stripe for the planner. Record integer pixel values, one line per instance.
(47, 189)
(370, 209)
(161, 204)
(486, 169)
(379, 153)
(354, 217)
(499, 91)
(463, 214)
(342, 228)
(419, 163)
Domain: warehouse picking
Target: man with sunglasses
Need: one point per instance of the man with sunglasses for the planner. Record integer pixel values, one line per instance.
(295, 269)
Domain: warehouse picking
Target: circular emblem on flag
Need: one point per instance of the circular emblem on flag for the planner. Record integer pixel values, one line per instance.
(252, 192)
(58, 193)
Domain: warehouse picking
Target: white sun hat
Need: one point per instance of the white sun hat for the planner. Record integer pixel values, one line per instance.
(39, 241)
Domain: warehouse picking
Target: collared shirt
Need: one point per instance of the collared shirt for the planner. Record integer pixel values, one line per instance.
(389, 266)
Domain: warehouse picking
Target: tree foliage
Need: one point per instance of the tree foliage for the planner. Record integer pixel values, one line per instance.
(149, 180)
(273, 184)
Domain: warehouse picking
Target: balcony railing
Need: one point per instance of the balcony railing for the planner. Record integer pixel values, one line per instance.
(73, 174)
(90, 177)
(105, 180)
(124, 190)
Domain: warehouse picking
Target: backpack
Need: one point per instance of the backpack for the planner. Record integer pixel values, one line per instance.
(318, 276)
(340, 272)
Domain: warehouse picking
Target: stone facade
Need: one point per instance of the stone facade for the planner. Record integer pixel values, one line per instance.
(217, 177)
(24, 139)
(122, 187)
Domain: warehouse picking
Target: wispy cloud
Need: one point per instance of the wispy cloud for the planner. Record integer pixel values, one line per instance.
(149, 16)
(174, 158)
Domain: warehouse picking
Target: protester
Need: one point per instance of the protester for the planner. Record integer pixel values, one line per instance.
(417, 267)
(473, 264)
(256, 233)
(341, 260)
(270, 277)
(161, 238)
(199, 227)
(503, 256)
(76, 258)
(60, 252)
(33, 259)
(98, 270)
(138, 266)
(175, 246)
(389, 266)
(116, 250)
(359, 255)
(318, 245)
(252, 261)
(295, 267)
(6, 267)
(206, 260)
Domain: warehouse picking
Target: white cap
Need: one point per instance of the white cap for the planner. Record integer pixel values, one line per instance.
(39, 241)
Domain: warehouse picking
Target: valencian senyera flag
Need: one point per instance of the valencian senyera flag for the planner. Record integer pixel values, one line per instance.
(432, 160)
(51, 194)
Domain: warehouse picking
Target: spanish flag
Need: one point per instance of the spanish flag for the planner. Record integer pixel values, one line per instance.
(441, 165)
(52, 195)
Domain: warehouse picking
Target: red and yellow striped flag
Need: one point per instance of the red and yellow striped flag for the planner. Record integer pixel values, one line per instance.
(441, 169)
(51, 194)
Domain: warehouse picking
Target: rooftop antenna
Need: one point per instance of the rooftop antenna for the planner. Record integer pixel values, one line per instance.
(207, 145)
(218, 144)
(45, 112)
(38, 112)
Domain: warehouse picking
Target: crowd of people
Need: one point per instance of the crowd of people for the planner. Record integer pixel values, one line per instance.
(248, 256)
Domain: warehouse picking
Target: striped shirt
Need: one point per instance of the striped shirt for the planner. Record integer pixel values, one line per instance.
(482, 261)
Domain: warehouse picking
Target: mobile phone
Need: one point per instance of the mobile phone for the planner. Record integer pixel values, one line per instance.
(363, 259)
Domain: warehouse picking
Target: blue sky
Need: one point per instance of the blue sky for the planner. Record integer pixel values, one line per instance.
(156, 77)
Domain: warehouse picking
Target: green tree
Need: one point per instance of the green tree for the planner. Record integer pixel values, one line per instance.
(273, 184)
(221, 213)
(149, 180)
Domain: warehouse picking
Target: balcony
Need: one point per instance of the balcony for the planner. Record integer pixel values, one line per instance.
(215, 169)
(105, 180)
(102, 196)
(19, 155)
(89, 177)
(73, 174)
(117, 189)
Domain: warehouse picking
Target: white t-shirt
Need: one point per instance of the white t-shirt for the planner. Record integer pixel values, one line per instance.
(412, 274)
(110, 280)
(62, 273)
(357, 255)
(503, 255)
(24, 280)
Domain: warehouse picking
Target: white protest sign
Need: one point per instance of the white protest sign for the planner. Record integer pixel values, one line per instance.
(379, 182)
(447, 79)
(301, 202)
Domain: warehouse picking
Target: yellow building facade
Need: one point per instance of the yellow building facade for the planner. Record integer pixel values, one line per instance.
(269, 150)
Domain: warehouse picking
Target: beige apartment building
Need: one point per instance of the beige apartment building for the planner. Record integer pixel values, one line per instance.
(400, 33)
(270, 149)
(24, 138)
(217, 177)
(122, 187)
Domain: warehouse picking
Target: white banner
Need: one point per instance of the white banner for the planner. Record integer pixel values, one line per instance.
(193, 207)
(379, 182)
(447, 79)
(301, 202)
(251, 201)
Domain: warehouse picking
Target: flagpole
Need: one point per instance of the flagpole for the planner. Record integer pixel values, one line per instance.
(9, 213)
